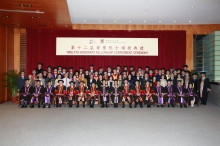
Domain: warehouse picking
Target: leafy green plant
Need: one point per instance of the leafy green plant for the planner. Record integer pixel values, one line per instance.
(11, 78)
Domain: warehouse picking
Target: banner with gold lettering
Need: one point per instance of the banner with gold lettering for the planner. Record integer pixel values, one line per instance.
(107, 46)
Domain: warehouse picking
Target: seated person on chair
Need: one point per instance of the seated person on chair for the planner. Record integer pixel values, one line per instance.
(38, 92)
(48, 96)
(25, 92)
(60, 92)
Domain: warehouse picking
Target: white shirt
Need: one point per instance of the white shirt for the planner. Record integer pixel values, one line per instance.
(66, 82)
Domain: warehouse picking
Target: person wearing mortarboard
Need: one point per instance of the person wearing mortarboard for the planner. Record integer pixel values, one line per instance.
(203, 87)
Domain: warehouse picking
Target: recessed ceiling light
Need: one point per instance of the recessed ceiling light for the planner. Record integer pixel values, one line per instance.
(103, 11)
(209, 17)
(190, 21)
(32, 16)
(29, 5)
(174, 21)
(130, 21)
(144, 21)
(66, 26)
(146, 9)
(7, 16)
(159, 21)
(18, 24)
(115, 21)
(192, 7)
(22, 5)
(100, 20)
(38, 17)
(85, 20)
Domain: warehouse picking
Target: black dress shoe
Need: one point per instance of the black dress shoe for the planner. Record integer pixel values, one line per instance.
(77, 106)
(185, 106)
(168, 105)
(181, 106)
(83, 106)
(44, 106)
(148, 106)
(172, 105)
(49, 106)
(22, 106)
(25, 106)
(158, 106)
(130, 106)
(161, 105)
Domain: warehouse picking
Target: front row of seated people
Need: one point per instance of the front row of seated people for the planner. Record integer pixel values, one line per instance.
(141, 95)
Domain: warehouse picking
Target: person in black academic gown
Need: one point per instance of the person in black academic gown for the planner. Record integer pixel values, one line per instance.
(105, 90)
(39, 68)
(25, 93)
(38, 93)
(191, 92)
(203, 87)
(181, 93)
(169, 89)
(159, 93)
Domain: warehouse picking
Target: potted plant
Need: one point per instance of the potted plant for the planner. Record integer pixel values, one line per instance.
(11, 83)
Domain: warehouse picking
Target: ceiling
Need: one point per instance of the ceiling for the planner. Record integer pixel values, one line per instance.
(62, 14)
(144, 11)
(51, 14)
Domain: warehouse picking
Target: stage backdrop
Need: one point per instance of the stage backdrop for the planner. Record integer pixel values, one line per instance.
(41, 47)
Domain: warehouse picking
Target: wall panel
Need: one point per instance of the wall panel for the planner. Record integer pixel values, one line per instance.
(3, 36)
(190, 31)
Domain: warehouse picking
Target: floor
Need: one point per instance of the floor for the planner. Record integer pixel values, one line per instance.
(199, 126)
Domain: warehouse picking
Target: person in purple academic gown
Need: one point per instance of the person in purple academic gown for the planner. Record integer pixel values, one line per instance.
(159, 90)
(180, 90)
(25, 93)
(48, 94)
(169, 91)
(191, 92)
(38, 92)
